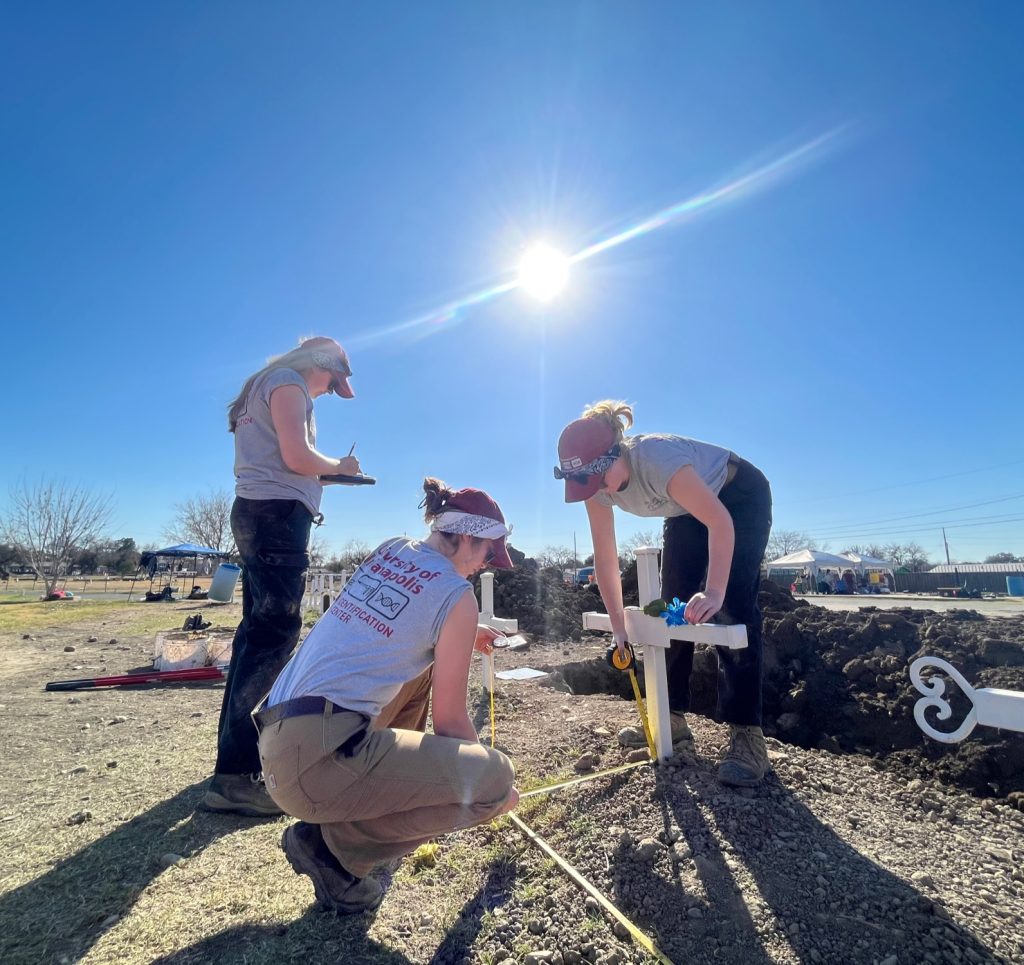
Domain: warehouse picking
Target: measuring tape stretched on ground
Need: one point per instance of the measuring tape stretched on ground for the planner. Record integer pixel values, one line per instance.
(640, 936)
(625, 660)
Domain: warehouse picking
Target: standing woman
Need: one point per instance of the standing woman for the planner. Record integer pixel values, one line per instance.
(718, 514)
(342, 734)
(277, 497)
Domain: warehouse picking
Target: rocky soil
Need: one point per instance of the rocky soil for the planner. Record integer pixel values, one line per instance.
(851, 851)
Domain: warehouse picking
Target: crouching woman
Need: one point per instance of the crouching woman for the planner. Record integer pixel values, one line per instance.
(342, 739)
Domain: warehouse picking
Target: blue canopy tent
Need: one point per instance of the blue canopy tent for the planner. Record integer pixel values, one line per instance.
(150, 561)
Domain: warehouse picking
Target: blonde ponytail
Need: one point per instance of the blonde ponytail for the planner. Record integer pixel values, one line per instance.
(614, 412)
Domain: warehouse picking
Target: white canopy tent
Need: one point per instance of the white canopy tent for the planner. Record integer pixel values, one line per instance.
(869, 562)
(812, 561)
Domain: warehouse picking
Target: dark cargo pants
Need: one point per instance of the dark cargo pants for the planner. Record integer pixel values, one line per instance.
(272, 536)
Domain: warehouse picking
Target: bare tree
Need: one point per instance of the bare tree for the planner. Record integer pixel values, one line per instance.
(317, 550)
(557, 556)
(50, 521)
(205, 520)
(782, 542)
(911, 556)
(352, 554)
(876, 550)
(643, 537)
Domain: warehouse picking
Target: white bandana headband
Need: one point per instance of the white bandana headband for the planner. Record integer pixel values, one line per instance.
(482, 526)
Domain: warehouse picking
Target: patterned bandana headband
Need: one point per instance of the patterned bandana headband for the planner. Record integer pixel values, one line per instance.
(571, 468)
(452, 521)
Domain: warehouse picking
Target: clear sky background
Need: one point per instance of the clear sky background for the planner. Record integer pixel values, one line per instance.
(189, 187)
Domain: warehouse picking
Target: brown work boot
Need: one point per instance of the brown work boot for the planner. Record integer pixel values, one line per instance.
(682, 738)
(244, 794)
(746, 760)
(335, 888)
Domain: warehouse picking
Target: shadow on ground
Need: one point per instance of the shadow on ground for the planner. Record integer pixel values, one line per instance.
(54, 916)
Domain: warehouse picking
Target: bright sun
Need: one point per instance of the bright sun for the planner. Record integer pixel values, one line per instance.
(543, 272)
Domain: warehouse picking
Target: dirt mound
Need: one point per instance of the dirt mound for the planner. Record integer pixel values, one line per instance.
(839, 681)
(835, 680)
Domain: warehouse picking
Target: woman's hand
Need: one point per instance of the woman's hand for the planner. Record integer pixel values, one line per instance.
(485, 637)
(349, 466)
(703, 606)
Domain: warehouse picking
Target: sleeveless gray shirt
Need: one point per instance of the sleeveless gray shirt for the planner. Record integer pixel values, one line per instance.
(381, 632)
(654, 458)
(260, 472)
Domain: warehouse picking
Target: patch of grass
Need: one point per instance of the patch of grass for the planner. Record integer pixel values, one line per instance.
(125, 618)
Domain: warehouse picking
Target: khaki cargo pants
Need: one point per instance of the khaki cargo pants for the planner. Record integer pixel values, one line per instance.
(399, 788)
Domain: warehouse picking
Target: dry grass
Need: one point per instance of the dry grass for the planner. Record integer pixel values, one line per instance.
(136, 760)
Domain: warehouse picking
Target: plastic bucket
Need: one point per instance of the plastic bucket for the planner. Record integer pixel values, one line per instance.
(1015, 586)
(222, 589)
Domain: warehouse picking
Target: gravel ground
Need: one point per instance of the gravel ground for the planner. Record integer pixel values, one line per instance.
(838, 857)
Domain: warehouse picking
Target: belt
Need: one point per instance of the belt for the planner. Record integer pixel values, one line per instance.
(731, 468)
(306, 707)
(297, 707)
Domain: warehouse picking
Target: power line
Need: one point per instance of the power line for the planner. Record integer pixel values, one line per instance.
(931, 512)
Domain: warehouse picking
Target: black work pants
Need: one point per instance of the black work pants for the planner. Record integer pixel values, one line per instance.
(272, 536)
(684, 563)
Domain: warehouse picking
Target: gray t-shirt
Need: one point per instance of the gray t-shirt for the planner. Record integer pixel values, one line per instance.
(654, 458)
(260, 472)
(381, 632)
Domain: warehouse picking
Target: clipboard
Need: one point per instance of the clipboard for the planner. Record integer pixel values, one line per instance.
(357, 480)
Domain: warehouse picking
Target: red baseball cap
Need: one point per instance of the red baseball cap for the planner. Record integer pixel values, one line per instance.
(580, 443)
(484, 519)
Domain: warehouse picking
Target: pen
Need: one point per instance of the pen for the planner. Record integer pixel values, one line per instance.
(353, 449)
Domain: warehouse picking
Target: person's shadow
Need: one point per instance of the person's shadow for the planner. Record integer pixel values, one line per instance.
(54, 916)
(809, 888)
(320, 936)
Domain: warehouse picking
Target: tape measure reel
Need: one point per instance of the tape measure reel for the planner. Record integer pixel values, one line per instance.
(617, 661)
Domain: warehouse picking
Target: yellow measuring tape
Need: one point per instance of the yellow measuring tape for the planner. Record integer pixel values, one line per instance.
(641, 937)
(626, 660)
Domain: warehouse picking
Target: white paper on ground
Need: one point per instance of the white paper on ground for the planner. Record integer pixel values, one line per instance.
(521, 673)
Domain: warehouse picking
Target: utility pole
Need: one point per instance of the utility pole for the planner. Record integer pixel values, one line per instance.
(946, 544)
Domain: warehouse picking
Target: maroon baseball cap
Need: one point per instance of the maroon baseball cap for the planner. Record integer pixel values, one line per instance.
(580, 443)
(484, 520)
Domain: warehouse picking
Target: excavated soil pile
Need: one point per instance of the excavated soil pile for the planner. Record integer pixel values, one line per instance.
(835, 680)
(839, 681)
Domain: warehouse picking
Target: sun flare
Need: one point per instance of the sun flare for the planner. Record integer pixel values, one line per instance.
(543, 272)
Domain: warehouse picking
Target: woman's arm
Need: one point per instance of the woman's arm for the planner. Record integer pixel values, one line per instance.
(288, 412)
(452, 654)
(692, 493)
(606, 564)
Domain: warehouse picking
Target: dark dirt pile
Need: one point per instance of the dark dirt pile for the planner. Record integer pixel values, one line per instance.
(839, 681)
(833, 680)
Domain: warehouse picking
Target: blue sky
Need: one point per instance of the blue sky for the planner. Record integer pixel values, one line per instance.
(189, 187)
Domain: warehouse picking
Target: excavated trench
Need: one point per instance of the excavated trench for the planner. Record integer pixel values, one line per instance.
(839, 681)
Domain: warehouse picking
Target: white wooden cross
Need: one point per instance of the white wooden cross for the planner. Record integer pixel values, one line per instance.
(488, 618)
(654, 636)
(989, 706)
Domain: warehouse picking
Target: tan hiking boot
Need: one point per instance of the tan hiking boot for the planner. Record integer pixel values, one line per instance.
(682, 738)
(746, 761)
(239, 794)
(335, 888)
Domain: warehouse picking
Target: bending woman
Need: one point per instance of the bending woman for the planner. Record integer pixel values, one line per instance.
(342, 737)
(277, 496)
(717, 512)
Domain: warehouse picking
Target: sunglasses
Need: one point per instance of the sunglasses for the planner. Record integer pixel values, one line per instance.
(489, 558)
(597, 467)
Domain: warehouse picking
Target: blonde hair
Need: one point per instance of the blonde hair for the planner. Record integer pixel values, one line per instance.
(300, 359)
(614, 412)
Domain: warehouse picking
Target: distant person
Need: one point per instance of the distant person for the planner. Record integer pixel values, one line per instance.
(277, 497)
(717, 509)
(342, 734)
